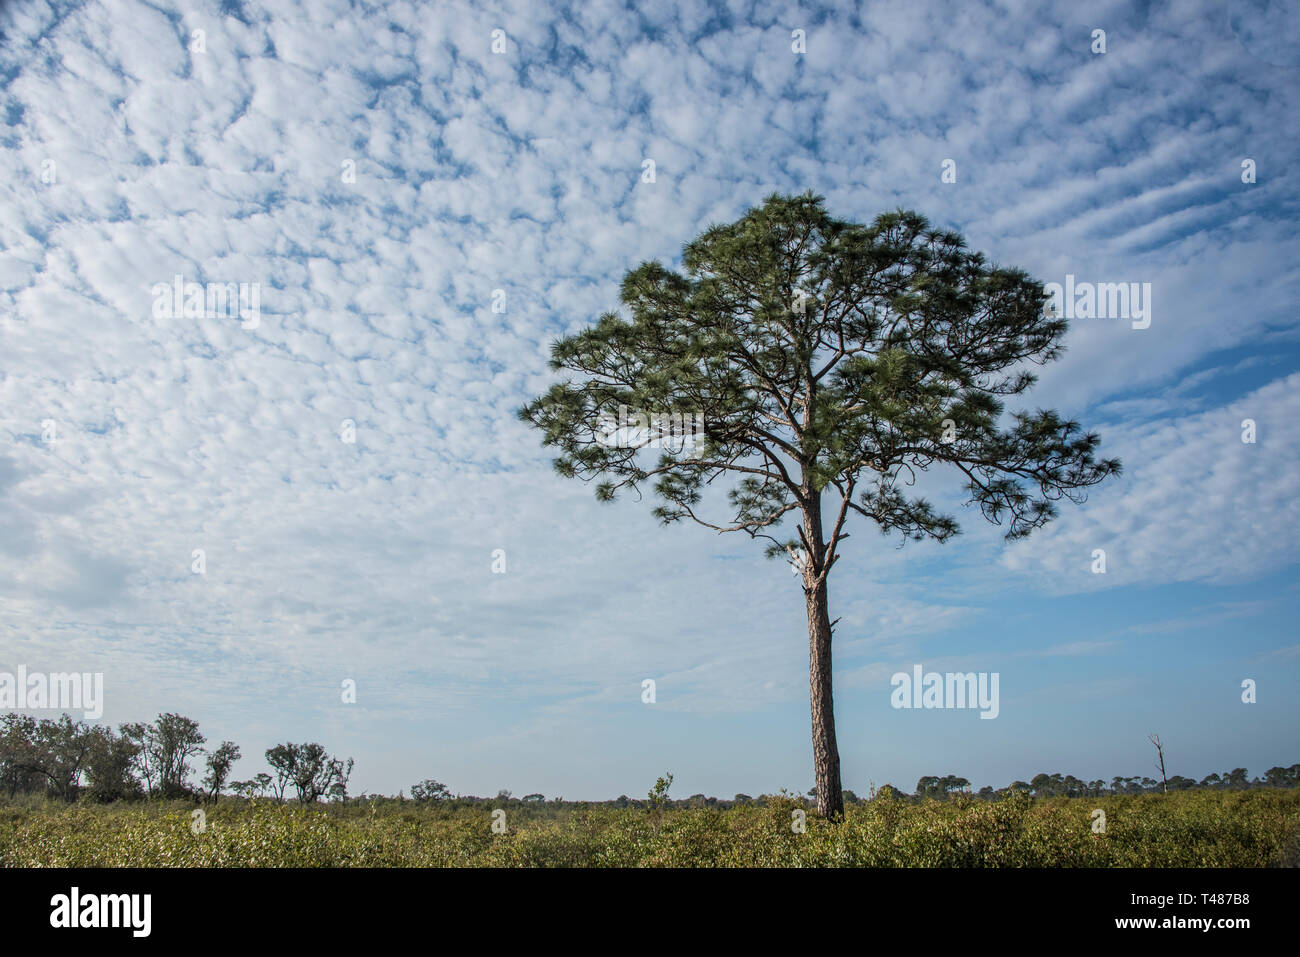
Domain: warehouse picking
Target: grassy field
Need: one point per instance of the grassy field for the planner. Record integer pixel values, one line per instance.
(1203, 828)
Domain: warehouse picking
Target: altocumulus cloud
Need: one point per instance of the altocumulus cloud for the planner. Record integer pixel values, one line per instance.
(385, 178)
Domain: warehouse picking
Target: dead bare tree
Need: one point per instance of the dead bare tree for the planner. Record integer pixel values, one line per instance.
(1160, 753)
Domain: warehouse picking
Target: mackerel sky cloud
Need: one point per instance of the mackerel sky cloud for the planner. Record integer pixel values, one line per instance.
(387, 179)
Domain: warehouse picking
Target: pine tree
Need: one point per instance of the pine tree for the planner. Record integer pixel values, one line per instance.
(826, 363)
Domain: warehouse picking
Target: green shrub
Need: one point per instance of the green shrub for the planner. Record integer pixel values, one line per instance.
(1197, 828)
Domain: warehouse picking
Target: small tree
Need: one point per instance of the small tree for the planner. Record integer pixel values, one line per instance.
(261, 783)
(311, 770)
(821, 364)
(59, 750)
(338, 788)
(164, 751)
(282, 758)
(18, 764)
(658, 797)
(1280, 777)
(429, 790)
(219, 764)
(953, 784)
(927, 786)
(312, 774)
(1236, 778)
(109, 766)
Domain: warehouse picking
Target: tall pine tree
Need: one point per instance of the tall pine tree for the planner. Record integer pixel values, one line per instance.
(830, 362)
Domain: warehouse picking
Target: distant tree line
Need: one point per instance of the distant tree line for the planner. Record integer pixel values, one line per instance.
(67, 759)
(929, 786)
(1057, 785)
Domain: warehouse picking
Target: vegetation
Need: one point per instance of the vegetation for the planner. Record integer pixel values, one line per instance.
(71, 760)
(83, 796)
(1201, 828)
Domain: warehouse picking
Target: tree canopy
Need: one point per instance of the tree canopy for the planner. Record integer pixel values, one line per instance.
(818, 360)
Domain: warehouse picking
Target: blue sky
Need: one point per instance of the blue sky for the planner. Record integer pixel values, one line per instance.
(134, 150)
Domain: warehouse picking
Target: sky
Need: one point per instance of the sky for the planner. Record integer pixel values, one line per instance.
(425, 204)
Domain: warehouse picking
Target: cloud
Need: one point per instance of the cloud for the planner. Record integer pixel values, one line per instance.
(1196, 503)
(382, 174)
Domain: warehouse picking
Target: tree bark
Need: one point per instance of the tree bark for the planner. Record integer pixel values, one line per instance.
(826, 754)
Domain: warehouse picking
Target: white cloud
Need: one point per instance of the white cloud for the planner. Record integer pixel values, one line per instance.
(521, 171)
(1196, 504)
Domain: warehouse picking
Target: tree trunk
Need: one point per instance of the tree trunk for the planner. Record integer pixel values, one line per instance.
(826, 754)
